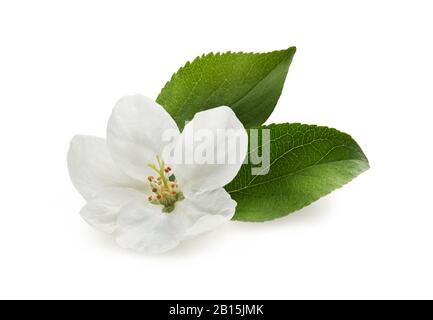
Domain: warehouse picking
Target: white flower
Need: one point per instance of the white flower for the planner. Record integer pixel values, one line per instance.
(151, 205)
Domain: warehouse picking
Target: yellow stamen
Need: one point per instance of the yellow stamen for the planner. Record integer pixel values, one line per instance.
(165, 187)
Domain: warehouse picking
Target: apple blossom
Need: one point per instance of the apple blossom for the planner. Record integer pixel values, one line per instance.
(148, 200)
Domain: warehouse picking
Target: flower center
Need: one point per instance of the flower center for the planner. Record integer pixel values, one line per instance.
(165, 189)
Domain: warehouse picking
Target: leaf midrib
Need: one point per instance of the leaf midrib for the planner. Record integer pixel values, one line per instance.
(292, 173)
(261, 80)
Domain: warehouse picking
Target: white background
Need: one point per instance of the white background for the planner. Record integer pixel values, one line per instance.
(364, 67)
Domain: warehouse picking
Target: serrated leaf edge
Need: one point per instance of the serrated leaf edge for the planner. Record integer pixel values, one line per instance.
(210, 55)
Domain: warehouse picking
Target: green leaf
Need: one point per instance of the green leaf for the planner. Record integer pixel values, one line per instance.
(306, 163)
(249, 83)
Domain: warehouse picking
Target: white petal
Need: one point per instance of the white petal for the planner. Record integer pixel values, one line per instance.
(143, 227)
(91, 167)
(135, 134)
(101, 211)
(226, 158)
(207, 211)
